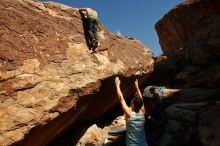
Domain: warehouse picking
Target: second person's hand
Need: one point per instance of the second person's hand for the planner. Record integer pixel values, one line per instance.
(117, 81)
(136, 83)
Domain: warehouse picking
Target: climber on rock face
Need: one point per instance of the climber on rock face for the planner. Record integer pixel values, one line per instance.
(92, 27)
(135, 120)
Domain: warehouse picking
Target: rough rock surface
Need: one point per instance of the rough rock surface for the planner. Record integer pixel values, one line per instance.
(184, 127)
(189, 36)
(190, 32)
(93, 137)
(49, 80)
(209, 129)
(96, 136)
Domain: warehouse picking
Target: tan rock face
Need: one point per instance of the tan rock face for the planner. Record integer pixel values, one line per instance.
(49, 80)
(93, 136)
(190, 32)
(190, 37)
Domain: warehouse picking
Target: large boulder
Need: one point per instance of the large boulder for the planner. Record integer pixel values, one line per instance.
(189, 36)
(48, 79)
(190, 32)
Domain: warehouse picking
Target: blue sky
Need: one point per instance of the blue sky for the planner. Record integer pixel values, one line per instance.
(134, 18)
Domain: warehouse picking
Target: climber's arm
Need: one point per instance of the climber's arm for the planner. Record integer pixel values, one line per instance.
(125, 108)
